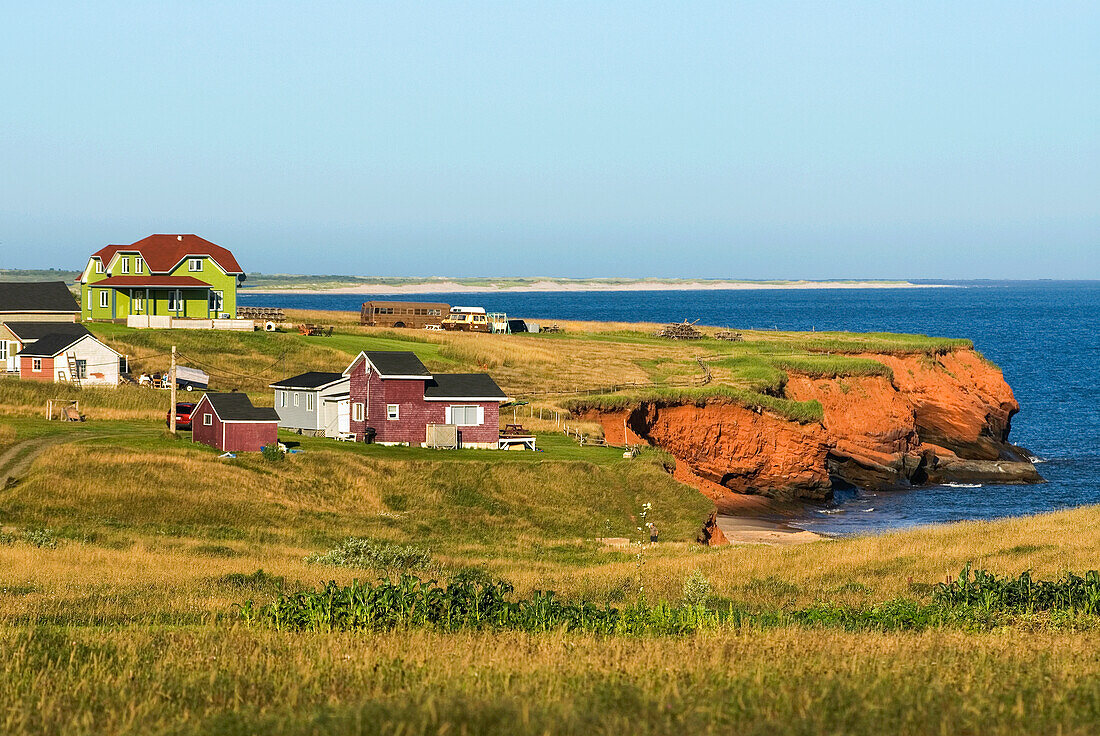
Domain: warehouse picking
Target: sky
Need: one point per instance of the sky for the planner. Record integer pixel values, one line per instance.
(730, 139)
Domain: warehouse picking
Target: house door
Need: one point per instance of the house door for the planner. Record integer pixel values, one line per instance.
(343, 416)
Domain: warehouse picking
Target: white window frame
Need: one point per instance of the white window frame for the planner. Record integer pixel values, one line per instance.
(3, 349)
(36, 365)
(282, 398)
(215, 301)
(297, 398)
(139, 264)
(208, 420)
(309, 401)
(125, 264)
(357, 412)
(98, 266)
(139, 302)
(104, 298)
(194, 264)
(393, 412)
(175, 296)
(81, 368)
(479, 416)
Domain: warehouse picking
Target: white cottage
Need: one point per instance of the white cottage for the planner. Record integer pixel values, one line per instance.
(81, 359)
(314, 403)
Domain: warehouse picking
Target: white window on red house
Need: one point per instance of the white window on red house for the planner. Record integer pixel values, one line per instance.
(357, 412)
(207, 420)
(36, 364)
(465, 416)
(393, 411)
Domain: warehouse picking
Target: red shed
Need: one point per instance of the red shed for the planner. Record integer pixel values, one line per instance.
(231, 423)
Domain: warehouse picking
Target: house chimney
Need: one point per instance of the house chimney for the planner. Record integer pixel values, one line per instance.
(179, 238)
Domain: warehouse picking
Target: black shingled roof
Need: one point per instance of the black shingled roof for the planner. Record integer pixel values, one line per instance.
(312, 379)
(237, 407)
(37, 330)
(397, 363)
(50, 345)
(36, 296)
(463, 386)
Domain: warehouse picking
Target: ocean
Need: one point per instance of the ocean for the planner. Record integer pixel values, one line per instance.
(1045, 336)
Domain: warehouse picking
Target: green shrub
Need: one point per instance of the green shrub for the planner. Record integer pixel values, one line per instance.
(41, 538)
(272, 453)
(363, 552)
(697, 590)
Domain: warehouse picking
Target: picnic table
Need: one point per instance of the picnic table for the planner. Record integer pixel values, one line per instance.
(314, 330)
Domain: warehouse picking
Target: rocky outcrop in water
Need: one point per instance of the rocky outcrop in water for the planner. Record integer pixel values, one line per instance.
(937, 419)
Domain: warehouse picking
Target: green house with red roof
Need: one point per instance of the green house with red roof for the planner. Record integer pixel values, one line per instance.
(181, 276)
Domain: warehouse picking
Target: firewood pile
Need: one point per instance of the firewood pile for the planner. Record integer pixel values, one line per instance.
(680, 331)
(729, 335)
(264, 314)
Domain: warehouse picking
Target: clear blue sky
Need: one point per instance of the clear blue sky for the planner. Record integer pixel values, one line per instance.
(726, 139)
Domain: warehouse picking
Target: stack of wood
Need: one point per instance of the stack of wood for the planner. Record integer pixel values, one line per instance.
(680, 331)
(262, 314)
(729, 335)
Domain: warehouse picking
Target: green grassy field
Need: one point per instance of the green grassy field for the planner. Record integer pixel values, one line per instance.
(125, 556)
(605, 364)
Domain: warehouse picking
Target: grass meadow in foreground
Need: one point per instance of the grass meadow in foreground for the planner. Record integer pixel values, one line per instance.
(220, 681)
(123, 559)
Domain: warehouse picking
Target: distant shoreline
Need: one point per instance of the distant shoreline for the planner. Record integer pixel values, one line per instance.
(436, 287)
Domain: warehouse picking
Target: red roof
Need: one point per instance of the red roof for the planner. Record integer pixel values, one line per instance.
(149, 282)
(163, 252)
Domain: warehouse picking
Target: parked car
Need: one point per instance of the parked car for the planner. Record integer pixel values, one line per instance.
(183, 415)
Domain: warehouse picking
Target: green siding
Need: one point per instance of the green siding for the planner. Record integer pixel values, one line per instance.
(195, 304)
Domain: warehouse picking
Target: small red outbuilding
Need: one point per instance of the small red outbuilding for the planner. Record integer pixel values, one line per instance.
(231, 423)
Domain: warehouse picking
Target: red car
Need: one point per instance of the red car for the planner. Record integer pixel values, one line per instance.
(183, 415)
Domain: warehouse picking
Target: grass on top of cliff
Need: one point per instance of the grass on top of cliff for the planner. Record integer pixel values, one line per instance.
(588, 358)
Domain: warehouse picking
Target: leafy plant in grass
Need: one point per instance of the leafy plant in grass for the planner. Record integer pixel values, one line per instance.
(41, 538)
(697, 590)
(272, 453)
(985, 590)
(367, 553)
(7, 539)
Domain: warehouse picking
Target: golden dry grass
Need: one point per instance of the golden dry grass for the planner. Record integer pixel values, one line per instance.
(128, 625)
(231, 681)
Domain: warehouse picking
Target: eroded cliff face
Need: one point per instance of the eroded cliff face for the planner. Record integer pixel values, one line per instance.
(938, 419)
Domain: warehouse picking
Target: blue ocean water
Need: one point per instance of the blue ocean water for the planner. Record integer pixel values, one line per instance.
(1044, 335)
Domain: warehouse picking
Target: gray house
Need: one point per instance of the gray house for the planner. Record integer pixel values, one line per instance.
(314, 403)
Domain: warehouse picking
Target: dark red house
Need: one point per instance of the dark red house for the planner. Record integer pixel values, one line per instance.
(231, 423)
(397, 396)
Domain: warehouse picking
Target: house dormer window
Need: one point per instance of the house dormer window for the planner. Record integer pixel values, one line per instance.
(139, 264)
(98, 266)
(194, 264)
(125, 264)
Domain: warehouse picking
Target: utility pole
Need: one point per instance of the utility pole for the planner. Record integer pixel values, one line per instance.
(172, 408)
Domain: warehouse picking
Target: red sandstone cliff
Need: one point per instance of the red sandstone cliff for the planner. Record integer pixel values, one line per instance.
(937, 419)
